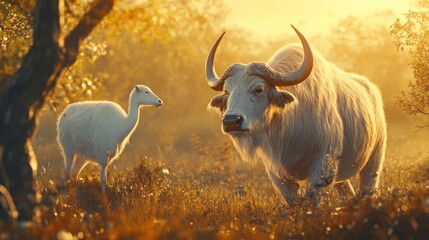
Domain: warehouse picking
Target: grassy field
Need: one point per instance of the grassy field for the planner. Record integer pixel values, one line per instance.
(209, 193)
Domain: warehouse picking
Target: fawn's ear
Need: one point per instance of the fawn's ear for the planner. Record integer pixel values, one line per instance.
(219, 102)
(281, 98)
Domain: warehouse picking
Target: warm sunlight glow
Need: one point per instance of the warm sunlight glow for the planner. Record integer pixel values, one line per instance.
(114, 123)
(271, 18)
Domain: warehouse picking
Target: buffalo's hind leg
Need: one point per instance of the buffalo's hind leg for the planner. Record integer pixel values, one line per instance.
(287, 188)
(370, 174)
(345, 190)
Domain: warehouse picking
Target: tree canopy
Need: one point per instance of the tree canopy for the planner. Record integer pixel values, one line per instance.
(411, 33)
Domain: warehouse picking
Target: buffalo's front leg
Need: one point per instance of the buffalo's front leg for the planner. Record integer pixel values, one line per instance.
(324, 173)
(286, 187)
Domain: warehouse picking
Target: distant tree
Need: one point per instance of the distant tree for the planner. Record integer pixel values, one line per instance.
(363, 44)
(412, 33)
(53, 50)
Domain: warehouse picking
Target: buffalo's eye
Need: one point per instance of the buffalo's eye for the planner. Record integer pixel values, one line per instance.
(147, 92)
(259, 90)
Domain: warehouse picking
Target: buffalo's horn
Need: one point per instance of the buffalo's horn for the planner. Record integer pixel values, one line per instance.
(291, 78)
(212, 78)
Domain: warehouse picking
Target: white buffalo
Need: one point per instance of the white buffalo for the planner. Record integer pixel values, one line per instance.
(308, 120)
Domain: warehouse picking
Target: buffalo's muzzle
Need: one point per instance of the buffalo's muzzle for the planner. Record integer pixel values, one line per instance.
(232, 123)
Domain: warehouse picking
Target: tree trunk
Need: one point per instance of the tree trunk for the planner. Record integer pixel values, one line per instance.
(23, 98)
(21, 102)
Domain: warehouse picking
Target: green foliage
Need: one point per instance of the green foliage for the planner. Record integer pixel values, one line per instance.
(412, 33)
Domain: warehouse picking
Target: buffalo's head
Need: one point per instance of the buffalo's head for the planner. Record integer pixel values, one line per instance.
(250, 91)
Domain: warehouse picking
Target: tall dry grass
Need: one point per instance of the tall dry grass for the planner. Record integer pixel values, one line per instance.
(209, 193)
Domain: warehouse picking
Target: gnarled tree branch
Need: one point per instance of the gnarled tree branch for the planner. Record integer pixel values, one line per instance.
(89, 21)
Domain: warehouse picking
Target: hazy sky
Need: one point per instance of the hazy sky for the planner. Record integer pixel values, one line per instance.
(267, 18)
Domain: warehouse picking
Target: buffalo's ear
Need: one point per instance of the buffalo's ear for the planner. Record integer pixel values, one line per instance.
(280, 98)
(219, 103)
